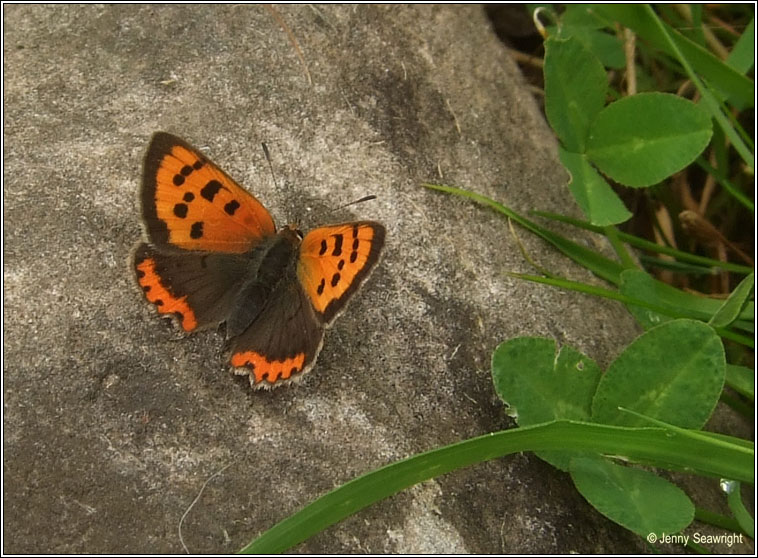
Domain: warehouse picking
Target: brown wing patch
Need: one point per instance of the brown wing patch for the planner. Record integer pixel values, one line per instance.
(282, 343)
(200, 288)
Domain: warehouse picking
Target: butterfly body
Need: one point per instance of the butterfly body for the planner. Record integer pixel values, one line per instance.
(213, 256)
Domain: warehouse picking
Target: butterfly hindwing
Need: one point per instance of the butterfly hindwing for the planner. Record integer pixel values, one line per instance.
(190, 203)
(334, 260)
(282, 343)
(199, 288)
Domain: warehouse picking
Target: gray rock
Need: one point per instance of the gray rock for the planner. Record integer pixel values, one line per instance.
(113, 421)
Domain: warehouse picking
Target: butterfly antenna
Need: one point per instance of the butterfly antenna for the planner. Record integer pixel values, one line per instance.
(270, 164)
(363, 199)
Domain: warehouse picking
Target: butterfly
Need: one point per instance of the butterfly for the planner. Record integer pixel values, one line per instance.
(213, 255)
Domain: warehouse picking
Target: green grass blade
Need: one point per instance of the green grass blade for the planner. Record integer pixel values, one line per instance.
(612, 234)
(742, 57)
(673, 312)
(743, 517)
(649, 246)
(651, 445)
(643, 21)
(614, 295)
(597, 264)
(733, 306)
(726, 184)
(736, 337)
(741, 379)
(717, 520)
(654, 262)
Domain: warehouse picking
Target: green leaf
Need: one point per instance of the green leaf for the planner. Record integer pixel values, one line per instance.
(595, 197)
(580, 22)
(717, 520)
(733, 305)
(608, 48)
(674, 373)
(639, 285)
(691, 57)
(575, 87)
(629, 301)
(539, 386)
(640, 140)
(639, 18)
(581, 16)
(638, 500)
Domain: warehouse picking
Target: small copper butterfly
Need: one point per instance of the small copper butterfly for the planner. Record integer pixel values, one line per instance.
(213, 256)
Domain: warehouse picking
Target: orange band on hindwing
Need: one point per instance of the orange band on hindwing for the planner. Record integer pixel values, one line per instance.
(158, 294)
(267, 370)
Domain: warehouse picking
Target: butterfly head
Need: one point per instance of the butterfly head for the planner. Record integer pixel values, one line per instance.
(292, 232)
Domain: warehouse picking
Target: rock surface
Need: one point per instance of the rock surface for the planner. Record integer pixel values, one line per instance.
(113, 422)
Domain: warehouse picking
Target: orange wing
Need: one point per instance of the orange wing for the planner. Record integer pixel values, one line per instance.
(189, 203)
(334, 261)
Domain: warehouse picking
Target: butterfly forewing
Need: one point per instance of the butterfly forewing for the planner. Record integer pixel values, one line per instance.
(334, 260)
(189, 203)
